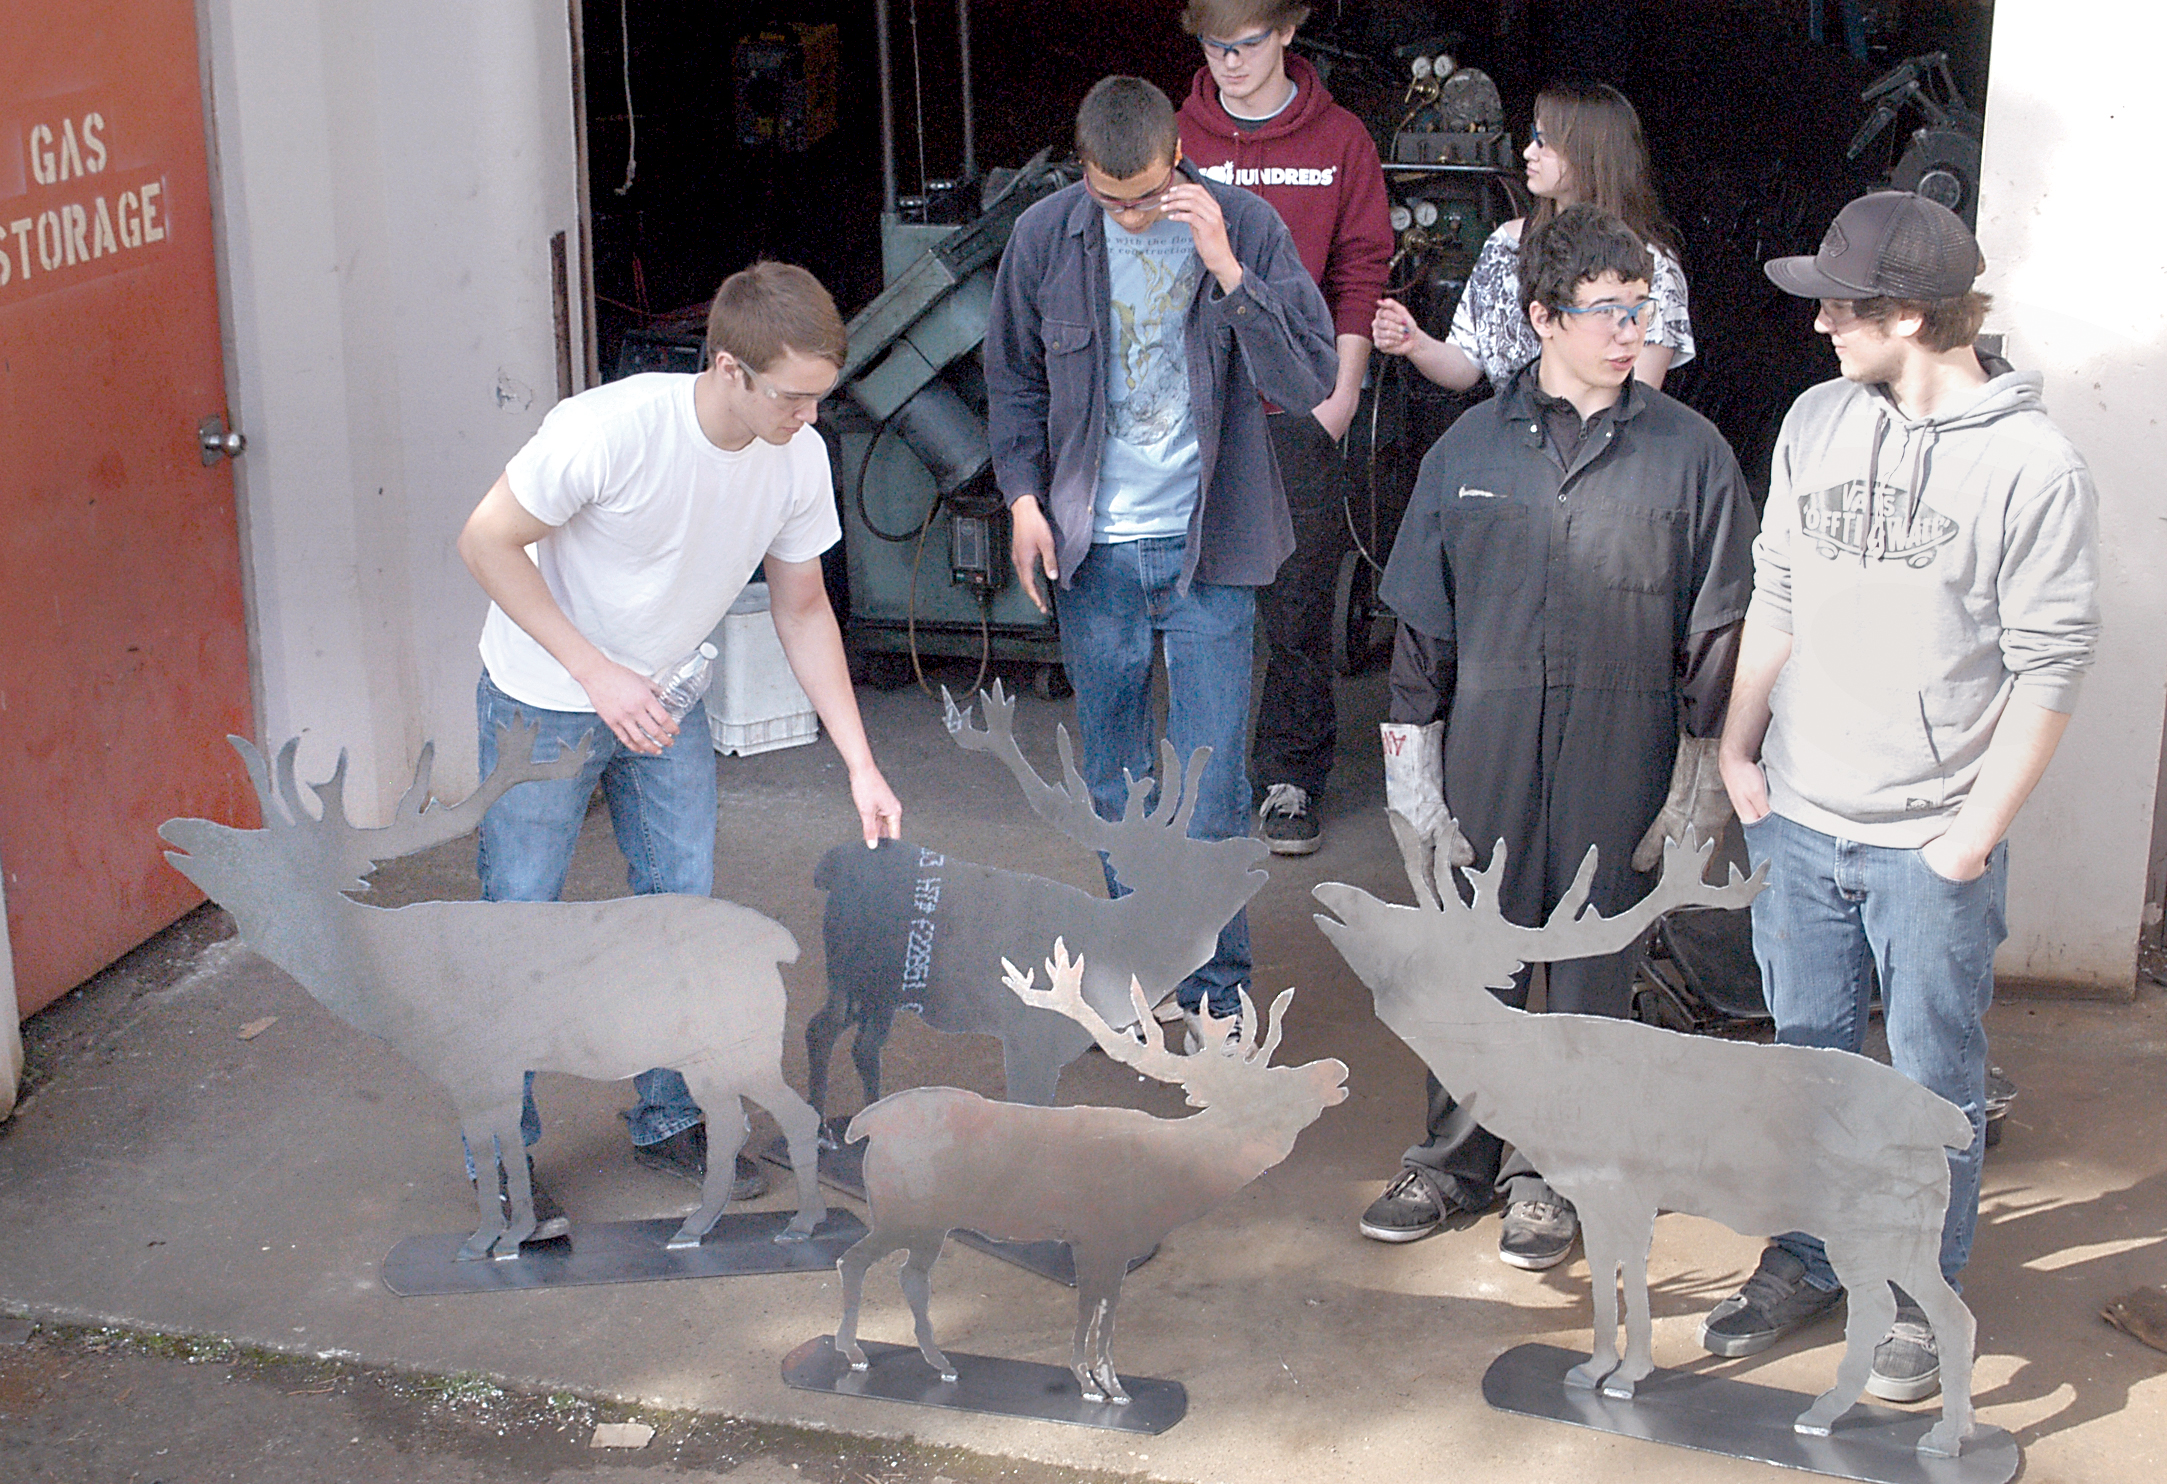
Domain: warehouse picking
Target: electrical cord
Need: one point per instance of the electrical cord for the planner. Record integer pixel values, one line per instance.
(917, 540)
(1346, 500)
(632, 120)
(865, 462)
(910, 619)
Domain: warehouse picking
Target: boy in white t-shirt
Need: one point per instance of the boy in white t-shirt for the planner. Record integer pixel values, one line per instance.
(648, 502)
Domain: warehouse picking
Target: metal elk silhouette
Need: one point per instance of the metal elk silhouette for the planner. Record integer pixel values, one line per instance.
(906, 927)
(1628, 1120)
(477, 993)
(1111, 1182)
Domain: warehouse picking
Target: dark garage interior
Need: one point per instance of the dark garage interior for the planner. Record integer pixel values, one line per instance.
(754, 130)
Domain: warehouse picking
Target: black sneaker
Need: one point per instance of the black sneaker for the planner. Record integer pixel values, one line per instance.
(1538, 1234)
(684, 1154)
(550, 1222)
(1775, 1300)
(1416, 1203)
(1285, 820)
(1907, 1364)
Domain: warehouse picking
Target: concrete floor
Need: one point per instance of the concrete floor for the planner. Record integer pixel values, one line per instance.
(167, 1174)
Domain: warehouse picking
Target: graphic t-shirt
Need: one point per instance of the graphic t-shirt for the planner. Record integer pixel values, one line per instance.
(1150, 467)
(1490, 325)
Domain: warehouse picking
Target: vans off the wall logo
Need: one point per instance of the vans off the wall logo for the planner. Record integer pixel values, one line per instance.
(1848, 519)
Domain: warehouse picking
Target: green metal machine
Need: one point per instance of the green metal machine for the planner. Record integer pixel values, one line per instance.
(925, 533)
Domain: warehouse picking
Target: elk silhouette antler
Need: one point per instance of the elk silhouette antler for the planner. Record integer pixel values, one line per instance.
(1142, 842)
(1575, 930)
(1063, 995)
(417, 821)
(1202, 1073)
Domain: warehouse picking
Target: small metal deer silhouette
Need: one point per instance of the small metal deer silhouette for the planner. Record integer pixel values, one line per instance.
(1111, 1182)
(1627, 1120)
(906, 927)
(477, 993)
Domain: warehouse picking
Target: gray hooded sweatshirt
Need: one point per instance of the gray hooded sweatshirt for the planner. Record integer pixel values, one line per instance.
(1927, 570)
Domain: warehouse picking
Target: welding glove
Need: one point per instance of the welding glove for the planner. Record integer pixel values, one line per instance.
(1414, 789)
(1698, 802)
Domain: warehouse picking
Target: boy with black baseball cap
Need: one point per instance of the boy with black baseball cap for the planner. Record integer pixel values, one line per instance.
(1922, 615)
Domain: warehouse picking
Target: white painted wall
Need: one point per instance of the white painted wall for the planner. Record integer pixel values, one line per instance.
(390, 173)
(2071, 224)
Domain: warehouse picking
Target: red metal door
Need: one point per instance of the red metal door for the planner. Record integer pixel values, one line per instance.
(123, 646)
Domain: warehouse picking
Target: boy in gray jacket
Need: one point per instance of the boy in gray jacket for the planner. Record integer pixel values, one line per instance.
(1922, 613)
(1138, 317)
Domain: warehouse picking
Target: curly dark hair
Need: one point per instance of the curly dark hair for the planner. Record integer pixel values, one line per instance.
(1575, 246)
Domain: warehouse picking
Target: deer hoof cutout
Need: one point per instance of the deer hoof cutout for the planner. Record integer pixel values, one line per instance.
(853, 1354)
(684, 1241)
(1588, 1374)
(800, 1229)
(1808, 1426)
(1943, 1440)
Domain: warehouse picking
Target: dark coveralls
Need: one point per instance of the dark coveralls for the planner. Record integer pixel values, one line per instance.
(1568, 594)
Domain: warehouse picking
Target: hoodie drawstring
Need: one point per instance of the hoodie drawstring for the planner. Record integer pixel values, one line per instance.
(1870, 548)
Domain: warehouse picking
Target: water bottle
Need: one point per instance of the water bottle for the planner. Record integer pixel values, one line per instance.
(681, 685)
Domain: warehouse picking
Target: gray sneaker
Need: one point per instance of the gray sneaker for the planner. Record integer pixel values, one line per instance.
(1775, 1300)
(1907, 1364)
(1287, 820)
(1416, 1203)
(1537, 1234)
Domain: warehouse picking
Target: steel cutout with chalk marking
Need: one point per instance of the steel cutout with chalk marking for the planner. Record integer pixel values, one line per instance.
(907, 928)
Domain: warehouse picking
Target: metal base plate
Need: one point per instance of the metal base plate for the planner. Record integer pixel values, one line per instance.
(984, 1383)
(1737, 1419)
(741, 1244)
(842, 1168)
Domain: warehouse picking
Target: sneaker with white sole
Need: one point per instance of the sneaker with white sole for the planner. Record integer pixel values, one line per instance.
(1774, 1301)
(1907, 1363)
(1418, 1202)
(1287, 820)
(1538, 1235)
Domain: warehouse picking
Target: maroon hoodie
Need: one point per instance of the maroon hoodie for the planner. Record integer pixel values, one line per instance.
(1316, 165)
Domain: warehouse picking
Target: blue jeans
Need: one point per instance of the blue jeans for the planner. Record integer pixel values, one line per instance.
(1833, 914)
(1121, 603)
(663, 811)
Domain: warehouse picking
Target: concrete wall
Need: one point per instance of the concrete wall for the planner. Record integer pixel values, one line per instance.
(2077, 263)
(390, 173)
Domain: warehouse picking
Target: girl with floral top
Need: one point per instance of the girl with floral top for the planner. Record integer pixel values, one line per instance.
(1586, 147)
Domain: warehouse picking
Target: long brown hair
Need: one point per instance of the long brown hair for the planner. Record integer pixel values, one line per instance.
(1606, 158)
